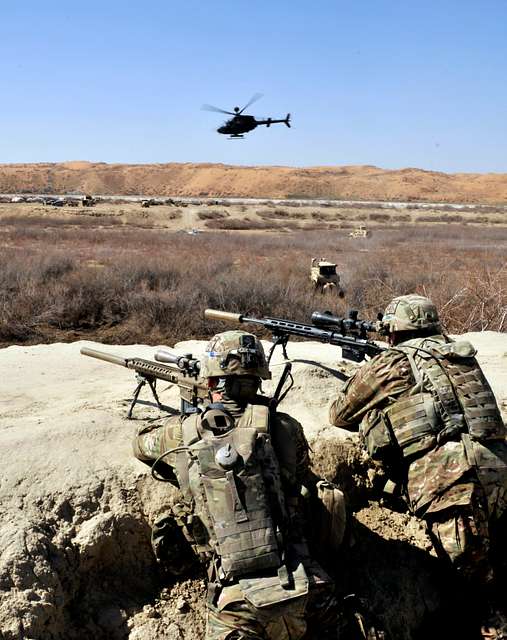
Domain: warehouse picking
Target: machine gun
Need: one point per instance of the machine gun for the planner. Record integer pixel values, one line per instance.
(185, 374)
(352, 336)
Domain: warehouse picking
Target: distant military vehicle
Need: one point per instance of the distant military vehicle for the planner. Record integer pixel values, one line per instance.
(324, 278)
(88, 201)
(360, 232)
(55, 202)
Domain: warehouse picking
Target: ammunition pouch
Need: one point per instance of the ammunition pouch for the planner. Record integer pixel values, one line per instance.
(376, 435)
(268, 590)
(415, 423)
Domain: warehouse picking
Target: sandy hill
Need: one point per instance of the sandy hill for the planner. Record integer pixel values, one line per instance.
(218, 180)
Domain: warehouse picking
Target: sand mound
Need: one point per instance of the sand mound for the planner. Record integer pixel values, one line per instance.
(76, 507)
(217, 180)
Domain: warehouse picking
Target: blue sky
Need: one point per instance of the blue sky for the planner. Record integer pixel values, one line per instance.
(384, 82)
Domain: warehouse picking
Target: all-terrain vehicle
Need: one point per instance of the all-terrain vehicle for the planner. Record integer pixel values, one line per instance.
(324, 278)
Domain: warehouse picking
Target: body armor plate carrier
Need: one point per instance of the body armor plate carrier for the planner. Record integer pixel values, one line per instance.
(451, 397)
(232, 482)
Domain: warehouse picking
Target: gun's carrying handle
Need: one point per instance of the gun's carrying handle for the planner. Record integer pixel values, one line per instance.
(225, 316)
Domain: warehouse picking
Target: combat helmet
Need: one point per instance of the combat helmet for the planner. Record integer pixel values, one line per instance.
(410, 313)
(234, 353)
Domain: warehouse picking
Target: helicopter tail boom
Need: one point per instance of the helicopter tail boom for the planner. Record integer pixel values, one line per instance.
(270, 121)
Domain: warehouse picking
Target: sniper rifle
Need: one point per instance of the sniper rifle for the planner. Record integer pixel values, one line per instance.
(352, 335)
(185, 374)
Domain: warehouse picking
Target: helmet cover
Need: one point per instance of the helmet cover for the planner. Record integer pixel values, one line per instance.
(234, 353)
(410, 313)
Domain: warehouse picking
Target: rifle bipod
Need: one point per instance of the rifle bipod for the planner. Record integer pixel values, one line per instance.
(141, 381)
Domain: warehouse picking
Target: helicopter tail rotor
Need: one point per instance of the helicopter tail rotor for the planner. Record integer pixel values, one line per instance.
(287, 121)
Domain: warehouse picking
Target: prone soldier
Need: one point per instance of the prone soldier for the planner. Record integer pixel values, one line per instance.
(427, 414)
(241, 467)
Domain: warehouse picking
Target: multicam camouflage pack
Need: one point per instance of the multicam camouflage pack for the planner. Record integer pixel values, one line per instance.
(221, 473)
(451, 397)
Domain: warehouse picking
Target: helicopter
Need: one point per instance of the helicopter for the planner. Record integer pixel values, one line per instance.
(239, 124)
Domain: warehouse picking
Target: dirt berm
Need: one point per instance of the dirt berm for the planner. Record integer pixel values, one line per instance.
(76, 508)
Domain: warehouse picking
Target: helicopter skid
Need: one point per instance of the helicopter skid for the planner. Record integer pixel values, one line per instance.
(237, 135)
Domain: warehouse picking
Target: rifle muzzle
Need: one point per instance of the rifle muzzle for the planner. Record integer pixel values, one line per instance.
(225, 316)
(101, 355)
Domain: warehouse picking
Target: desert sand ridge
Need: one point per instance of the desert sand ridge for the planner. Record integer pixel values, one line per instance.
(219, 180)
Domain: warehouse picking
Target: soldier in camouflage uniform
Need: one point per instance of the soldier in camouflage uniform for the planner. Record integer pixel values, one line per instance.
(241, 467)
(426, 412)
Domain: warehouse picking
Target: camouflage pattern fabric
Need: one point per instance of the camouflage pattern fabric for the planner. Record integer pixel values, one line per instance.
(458, 486)
(230, 614)
(459, 528)
(313, 614)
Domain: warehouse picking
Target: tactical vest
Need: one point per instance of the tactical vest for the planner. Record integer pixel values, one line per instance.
(451, 397)
(232, 483)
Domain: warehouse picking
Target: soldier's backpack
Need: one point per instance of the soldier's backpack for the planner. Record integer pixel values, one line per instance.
(451, 397)
(229, 474)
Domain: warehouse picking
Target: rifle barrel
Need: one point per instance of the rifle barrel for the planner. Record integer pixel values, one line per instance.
(226, 316)
(102, 355)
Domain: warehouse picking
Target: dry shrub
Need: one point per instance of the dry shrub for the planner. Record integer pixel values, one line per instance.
(282, 213)
(78, 220)
(441, 218)
(379, 217)
(245, 224)
(124, 284)
(327, 217)
(212, 215)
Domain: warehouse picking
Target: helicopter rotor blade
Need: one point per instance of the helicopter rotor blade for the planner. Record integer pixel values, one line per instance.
(254, 98)
(210, 107)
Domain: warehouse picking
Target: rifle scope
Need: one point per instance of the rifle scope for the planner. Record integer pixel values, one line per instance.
(186, 363)
(350, 324)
